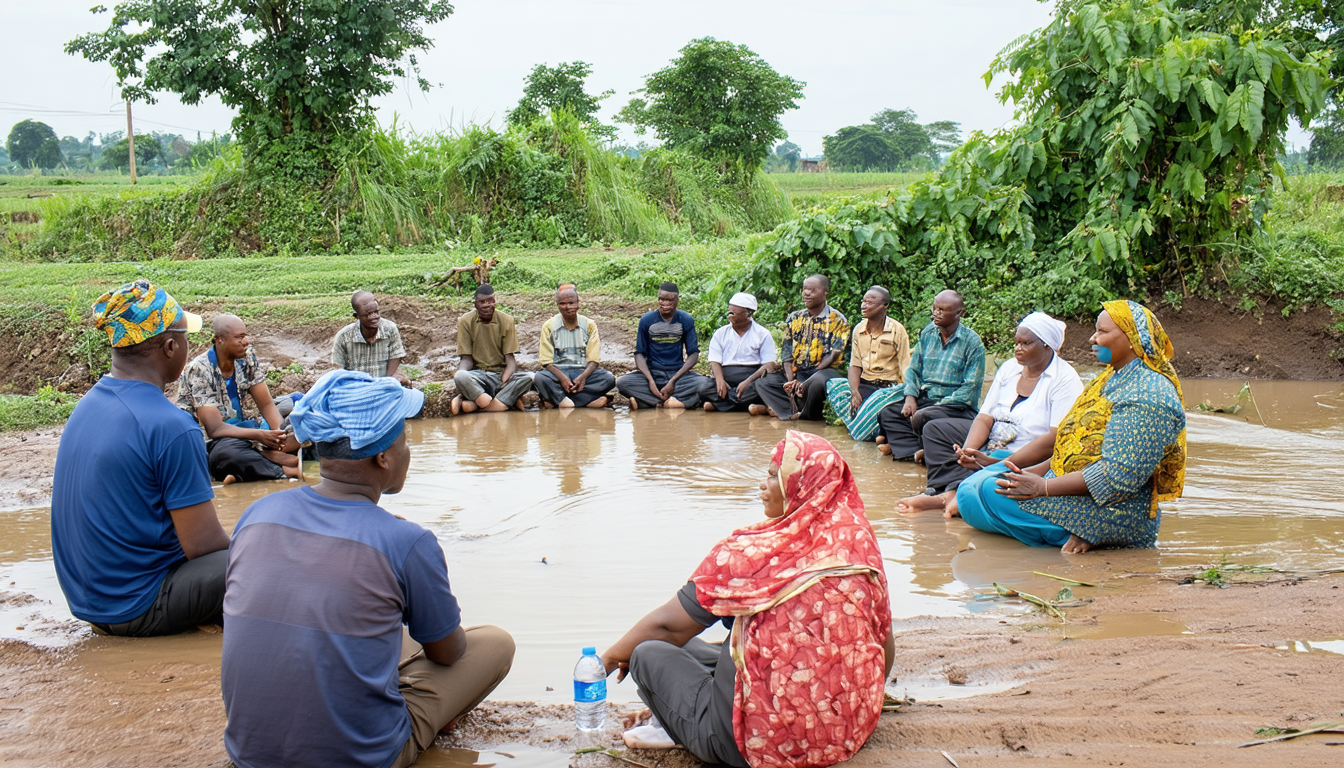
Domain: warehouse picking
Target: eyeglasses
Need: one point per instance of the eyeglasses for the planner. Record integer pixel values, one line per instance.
(175, 330)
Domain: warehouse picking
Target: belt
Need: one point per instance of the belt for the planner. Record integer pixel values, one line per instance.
(878, 384)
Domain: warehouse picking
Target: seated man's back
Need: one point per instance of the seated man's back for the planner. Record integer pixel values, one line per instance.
(317, 593)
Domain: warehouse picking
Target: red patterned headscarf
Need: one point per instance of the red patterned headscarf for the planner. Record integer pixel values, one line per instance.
(810, 679)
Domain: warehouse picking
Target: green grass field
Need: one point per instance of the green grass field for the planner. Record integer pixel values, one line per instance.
(807, 190)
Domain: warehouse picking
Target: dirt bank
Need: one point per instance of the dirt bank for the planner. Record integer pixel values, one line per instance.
(1167, 699)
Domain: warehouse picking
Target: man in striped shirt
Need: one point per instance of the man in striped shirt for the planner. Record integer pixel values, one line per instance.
(569, 355)
(371, 344)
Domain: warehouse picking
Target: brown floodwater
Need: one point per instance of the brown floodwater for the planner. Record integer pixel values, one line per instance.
(565, 527)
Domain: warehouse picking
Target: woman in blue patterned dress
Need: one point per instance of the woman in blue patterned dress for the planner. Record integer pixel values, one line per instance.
(1119, 451)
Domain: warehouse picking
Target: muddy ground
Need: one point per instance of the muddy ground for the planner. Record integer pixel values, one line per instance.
(1175, 699)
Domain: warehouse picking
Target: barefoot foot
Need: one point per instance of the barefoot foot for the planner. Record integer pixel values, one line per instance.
(921, 503)
(673, 402)
(757, 409)
(1075, 546)
(600, 402)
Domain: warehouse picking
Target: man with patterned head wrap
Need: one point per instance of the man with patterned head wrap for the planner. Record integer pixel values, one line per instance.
(321, 582)
(138, 547)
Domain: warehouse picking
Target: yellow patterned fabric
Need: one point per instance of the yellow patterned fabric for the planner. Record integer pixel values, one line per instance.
(1080, 435)
(138, 311)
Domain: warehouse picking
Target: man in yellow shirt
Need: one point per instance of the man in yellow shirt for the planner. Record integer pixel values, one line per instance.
(879, 355)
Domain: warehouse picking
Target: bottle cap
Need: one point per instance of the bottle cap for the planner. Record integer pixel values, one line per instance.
(590, 651)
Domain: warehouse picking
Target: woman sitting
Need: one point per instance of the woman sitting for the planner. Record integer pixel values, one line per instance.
(1030, 395)
(801, 680)
(1120, 451)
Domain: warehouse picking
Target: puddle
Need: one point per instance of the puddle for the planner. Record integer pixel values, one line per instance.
(924, 689)
(1302, 646)
(1129, 625)
(566, 527)
(502, 756)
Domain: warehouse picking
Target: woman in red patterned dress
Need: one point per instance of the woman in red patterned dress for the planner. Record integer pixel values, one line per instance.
(801, 680)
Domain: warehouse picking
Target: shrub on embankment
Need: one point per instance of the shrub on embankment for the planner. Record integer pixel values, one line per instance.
(544, 184)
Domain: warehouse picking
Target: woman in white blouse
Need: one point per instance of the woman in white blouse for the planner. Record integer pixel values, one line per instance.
(1017, 419)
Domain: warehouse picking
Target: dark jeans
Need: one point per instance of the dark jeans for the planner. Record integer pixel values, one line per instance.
(689, 388)
(238, 457)
(735, 375)
(191, 594)
(598, 385)
(677, 684)
(809, 404)
(939, 437)
(905, 434)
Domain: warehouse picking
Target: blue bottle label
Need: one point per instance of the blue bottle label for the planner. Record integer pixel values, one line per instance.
(589, 692)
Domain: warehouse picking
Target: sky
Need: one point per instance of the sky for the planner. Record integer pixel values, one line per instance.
(856, 56)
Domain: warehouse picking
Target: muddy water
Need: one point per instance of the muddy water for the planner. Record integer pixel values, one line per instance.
(565, 527)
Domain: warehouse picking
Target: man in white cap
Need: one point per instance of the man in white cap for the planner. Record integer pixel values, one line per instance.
(740, 353)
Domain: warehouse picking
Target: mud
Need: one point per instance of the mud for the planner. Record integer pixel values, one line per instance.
(564, 527)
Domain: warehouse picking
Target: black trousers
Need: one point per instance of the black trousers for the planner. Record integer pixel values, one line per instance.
(735, 375)
(677, 684)
(905, 433)
(809, 405)
(939, 436)
(236, 456)
(191, 594)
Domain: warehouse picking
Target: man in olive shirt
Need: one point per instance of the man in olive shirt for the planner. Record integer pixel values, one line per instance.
(487, 378)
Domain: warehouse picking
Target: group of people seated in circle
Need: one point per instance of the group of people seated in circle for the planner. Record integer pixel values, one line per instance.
(343, 640)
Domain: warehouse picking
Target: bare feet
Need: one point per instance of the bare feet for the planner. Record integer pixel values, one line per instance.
(495, 407)
(709, 406)
(566, 403)
(469, 407)
(884, 449)
(634, 404)
(673, 402)
(292, 471)
(795, 417)
(921, 503)
(919, 457)
(881, 440)
(230, 480)
(1075, 546)
(950, 509)
(758, 409)
(455, 407)
(600, 402)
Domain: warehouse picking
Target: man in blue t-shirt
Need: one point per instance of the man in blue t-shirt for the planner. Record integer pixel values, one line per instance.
(662, 376)
(321, 581)
(139, 549)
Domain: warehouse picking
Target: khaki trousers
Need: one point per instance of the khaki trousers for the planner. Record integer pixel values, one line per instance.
(436, 695)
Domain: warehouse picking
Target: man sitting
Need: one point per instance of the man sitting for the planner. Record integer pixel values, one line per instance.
(487, 378)
(225, 390)
(663, 374)
(740, 353)
(947, 371)
(879, 355)
(138, 547)
(321, 580)
(813, 352)
(570, 351)
(371, 344)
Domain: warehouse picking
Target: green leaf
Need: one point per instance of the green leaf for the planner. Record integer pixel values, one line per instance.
(1129, 131)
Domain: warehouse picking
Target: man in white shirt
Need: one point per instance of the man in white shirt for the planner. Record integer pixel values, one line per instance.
(740, 353)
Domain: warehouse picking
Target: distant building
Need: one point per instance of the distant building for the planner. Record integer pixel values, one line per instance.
(814, 165)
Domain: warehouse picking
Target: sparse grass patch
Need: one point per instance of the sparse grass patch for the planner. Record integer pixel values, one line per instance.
(28, 411)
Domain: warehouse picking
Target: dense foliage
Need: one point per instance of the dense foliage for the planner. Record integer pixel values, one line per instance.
(717, 100)
(31, 143)
(561, 88)
(1144, 148)
(147, 150)
(893, 141)
(300, 73)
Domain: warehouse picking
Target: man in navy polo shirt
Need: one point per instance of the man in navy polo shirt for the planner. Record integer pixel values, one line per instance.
(663, 376)
(139, 549)
(321, 581)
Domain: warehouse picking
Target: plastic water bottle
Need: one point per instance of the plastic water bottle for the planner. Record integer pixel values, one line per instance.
(590, 691)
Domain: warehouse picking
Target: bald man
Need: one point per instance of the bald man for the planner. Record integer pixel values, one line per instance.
(225, 390)
(946, 373)
(371, 344)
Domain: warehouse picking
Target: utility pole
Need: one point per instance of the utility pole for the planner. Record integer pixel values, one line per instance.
(130, 139)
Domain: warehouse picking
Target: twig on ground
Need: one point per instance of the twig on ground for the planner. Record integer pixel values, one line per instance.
(950, 760)
(1061, 578)
(1328, 728)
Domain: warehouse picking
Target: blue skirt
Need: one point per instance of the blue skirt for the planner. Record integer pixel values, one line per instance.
(983, 507)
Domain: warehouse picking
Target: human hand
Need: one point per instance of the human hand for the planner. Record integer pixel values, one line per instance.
(565, 384)
(1019, 485)
(971, 458)
(911, 405)
(742, 389)
(792, 386)
(656, 390)
(271, 438)
(855, 400)
(504, 378)
(667, 390)
(721, 387)
(621, 668)
(401, 379)
(576, 385)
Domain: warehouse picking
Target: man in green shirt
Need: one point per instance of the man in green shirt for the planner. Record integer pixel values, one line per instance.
(488, 378)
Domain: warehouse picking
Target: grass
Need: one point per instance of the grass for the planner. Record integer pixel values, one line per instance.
(808, 190)
(29, 411)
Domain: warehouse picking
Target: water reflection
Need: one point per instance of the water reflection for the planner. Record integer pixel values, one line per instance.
(566, 526)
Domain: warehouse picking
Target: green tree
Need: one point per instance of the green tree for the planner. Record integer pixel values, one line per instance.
(717, 100)
(561, 87)
(790, 154)
(32, 143)
(907, 137)
(1327, 141)
(292, 69)
(860, 148)
(118, 156)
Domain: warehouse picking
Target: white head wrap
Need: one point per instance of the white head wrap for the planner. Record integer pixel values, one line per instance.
(1049, 330)
(744, 300)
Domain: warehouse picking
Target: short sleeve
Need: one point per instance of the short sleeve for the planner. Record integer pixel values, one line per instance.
(642, 336)
(338, 350)
(767, 347)
(509, 343)
(686, 596)
(854, 356)
(432, 612)
(594, 350)
(839, 335)
(464, 334)
(396, 350)
(716, 346)
(253, 373)
(1064, 394)
(182, 471)
(199, 384)
(996, 391)
(546, 346)
(691, 340)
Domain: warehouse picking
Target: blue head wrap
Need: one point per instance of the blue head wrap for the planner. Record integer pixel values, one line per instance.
(352, 415)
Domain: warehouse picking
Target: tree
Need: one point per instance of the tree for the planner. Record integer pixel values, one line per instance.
(860, 148)
(118, 156)
(717, 100)
(1327, 141)
(32, 143)
(561, 87)
(791, 154)
(292, 69)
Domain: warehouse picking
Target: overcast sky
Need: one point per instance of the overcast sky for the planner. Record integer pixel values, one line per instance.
(856, 56)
